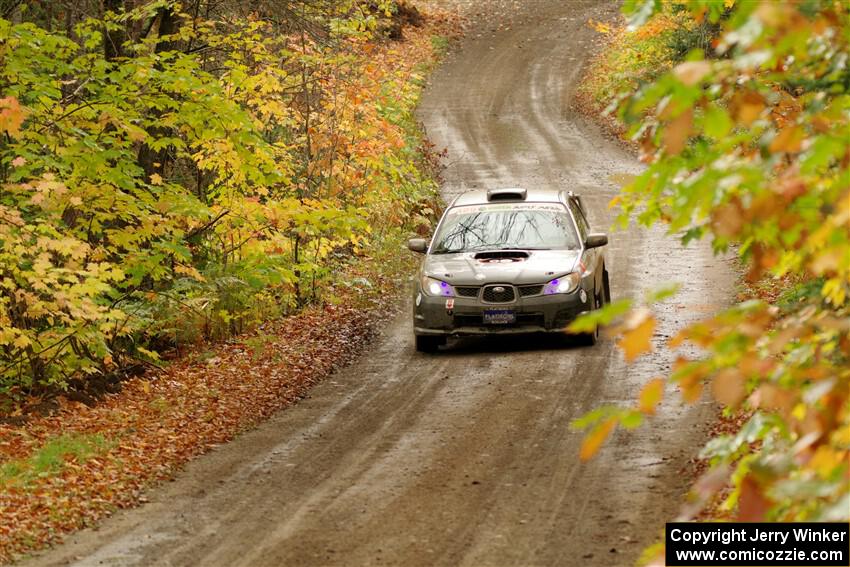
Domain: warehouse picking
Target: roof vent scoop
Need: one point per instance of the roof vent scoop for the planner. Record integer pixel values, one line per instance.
(513, 194)
(501, 256)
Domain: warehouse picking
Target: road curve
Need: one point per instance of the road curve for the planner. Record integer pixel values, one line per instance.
(465, 457)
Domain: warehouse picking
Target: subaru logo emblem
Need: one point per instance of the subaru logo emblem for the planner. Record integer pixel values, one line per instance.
(498, 289)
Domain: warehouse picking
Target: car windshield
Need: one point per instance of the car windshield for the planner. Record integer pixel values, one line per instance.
(526, 226)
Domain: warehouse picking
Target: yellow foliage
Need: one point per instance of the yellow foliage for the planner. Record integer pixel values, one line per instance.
(637, 334)
(594, 440)
(651, 395)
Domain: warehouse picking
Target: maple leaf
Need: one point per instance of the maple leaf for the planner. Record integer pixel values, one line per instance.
(752, 503)
(11, 116)
(650, 395)
(593, 441)
(600, 27)
(676, 132)
(692, 72)
(789, 140)
(636, 339)
(728, 387)
(748, 106)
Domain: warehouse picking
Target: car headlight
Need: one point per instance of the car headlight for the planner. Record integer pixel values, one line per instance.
(436, 287)
(564, 284)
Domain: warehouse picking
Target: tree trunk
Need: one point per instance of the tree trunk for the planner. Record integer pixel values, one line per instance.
(154, 161)
(113, 39)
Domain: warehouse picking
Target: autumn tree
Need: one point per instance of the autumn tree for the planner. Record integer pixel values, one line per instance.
(747, 145)
(173, 171)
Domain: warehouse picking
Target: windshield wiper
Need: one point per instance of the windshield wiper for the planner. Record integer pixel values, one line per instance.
(507, 248)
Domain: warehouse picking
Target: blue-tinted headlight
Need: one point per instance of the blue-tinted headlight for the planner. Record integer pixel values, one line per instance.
(564, 284)
(436, 288)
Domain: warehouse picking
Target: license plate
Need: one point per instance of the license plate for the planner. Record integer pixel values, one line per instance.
(499, 317)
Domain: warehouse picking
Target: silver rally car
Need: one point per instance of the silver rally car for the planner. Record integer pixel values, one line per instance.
(508, 261)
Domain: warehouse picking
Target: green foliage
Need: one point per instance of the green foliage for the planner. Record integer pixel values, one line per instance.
(599, 317)
(637, 56)
(440, 44)
(750, 150)
(205, 176)
(52, 457)
(684, 39)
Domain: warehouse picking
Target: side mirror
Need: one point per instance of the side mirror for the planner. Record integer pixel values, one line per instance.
(596, 239)
(419, 245)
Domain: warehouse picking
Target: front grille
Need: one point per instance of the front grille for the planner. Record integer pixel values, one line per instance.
(499, 294)
(467, 291)
(528, 290)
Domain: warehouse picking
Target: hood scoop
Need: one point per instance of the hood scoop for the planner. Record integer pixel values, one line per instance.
(501, 256)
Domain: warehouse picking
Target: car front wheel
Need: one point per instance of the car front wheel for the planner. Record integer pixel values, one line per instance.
(590, 339)
(606, 288)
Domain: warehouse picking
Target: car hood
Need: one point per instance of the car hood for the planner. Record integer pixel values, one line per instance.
(515, 267)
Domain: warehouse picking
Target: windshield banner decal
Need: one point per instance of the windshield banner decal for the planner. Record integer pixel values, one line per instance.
(507, 207)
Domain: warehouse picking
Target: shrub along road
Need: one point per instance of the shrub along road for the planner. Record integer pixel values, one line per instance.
(465, 457)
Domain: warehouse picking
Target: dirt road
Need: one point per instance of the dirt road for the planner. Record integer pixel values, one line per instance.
(465, 457)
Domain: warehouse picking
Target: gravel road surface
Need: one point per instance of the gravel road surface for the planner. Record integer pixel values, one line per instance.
(465, 457)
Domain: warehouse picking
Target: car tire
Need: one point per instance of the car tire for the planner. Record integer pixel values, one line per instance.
(606, 288)
(428, 344)
(590, 339)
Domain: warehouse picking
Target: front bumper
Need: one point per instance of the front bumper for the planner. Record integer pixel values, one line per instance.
(536, 314)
